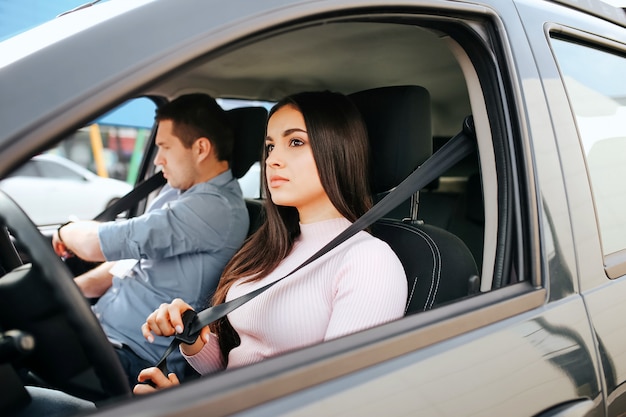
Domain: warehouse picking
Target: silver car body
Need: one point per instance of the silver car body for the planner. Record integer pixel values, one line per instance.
(552, 344)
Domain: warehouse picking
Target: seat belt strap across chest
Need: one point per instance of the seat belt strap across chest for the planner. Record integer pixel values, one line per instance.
(132, 198)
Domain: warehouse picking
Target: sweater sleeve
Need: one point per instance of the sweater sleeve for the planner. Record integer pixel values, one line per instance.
(209, 359)
(370, 289)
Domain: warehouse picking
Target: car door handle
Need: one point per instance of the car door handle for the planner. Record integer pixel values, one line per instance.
(578, 408)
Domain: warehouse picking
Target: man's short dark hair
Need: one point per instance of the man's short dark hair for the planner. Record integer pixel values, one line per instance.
(198, 115)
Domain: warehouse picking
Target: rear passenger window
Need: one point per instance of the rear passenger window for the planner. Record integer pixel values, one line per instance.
(596, 87)
(250, 182)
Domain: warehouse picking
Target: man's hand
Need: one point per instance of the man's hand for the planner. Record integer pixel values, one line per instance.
(79, 238)
(95, 282)
(59, 247)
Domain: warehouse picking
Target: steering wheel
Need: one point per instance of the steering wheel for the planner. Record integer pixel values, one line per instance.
(71, 352)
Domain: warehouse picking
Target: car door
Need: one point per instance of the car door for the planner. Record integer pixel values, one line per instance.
(519, 344)
(585, 58)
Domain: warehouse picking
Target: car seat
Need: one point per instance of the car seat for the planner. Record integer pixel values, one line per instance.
(438, 265)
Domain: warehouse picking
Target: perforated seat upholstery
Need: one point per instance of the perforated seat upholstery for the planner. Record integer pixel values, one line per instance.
(438, 265)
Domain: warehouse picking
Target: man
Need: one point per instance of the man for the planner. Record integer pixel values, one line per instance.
(182, 246)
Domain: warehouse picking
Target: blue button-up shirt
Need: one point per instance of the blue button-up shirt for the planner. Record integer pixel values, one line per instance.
(182, 247)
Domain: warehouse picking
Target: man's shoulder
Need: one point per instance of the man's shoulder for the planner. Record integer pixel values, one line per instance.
(208, 190)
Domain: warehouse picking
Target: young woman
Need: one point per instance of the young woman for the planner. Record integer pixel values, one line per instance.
(315, 173)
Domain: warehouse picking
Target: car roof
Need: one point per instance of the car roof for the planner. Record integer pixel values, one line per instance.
(64, 89)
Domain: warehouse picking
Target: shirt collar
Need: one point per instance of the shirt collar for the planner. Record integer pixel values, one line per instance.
(219, 180)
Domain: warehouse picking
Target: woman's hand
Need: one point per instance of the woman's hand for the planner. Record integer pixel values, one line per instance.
(167, 321)
(158, 379)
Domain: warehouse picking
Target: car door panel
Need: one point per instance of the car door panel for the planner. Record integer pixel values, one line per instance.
(492, 371)
(603, 297)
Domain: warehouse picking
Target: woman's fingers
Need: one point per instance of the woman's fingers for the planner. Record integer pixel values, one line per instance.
(140, 389)
(157, 378)
(147, 333)
(205, 334)
(173, 379)
(166, 320)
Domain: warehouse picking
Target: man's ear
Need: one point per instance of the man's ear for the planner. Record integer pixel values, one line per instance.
(203, 148)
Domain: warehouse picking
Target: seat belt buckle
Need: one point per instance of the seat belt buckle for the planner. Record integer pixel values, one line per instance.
(187, 337)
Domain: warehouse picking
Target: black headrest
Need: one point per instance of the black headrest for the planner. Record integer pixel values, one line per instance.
(248, 124)
(399, 128)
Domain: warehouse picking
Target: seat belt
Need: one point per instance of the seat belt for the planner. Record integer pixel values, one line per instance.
(135, 195)
(460, 146)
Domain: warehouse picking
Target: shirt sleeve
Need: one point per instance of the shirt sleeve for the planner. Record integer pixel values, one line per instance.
(370, 289)
(209, 359)
(191, 224)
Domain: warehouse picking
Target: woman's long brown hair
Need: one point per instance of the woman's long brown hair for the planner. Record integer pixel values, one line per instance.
(339, 144)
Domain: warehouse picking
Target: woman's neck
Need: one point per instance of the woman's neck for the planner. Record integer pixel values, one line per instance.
(323, 229)
(318, 213)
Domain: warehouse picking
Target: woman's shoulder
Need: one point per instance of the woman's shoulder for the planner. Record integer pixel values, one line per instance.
(364, 245)
(365, 238)
(368, 259)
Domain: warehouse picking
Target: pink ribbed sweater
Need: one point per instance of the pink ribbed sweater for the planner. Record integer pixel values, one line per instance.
(359, 284)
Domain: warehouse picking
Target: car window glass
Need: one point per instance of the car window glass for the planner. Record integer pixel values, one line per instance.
(54, 170)
(251, 182)
(595, 84)
(112, 147)
(29, 169)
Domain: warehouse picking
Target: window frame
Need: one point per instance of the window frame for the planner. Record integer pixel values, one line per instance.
(300, 369)
(614, 264)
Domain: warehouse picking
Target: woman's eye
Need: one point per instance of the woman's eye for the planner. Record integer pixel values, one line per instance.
(269, 147)
(296, 142)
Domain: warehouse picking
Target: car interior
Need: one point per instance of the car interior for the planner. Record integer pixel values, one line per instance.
(416, 82)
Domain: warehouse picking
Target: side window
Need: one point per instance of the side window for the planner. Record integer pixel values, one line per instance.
(112, 147)
(250, 182)
(55, 170)
(597, 91)
(29, 169)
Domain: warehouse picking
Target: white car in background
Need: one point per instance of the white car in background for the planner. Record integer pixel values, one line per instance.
(51, 189)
